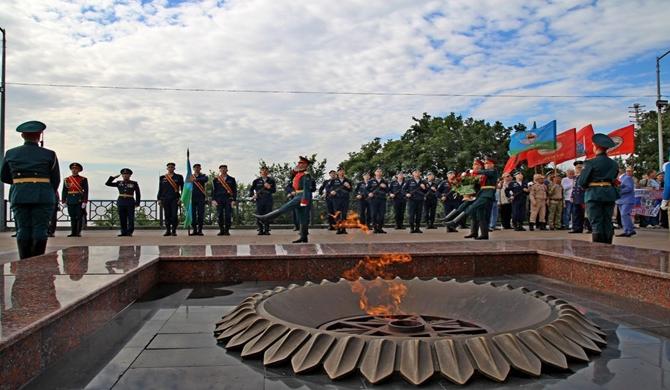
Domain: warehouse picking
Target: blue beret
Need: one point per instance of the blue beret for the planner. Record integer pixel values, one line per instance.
(31, 127)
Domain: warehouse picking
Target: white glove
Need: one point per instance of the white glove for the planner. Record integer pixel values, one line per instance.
(664, 204)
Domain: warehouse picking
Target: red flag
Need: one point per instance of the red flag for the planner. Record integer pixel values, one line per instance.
(624, 139)
(565, 150)
(513, 161)
(583, 142)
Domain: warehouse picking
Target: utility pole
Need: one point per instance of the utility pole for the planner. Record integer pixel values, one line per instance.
(635, 113)
(660, 104)
(3, 91)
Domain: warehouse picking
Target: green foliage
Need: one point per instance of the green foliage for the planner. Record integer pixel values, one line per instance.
(434, 144)
(646, 142)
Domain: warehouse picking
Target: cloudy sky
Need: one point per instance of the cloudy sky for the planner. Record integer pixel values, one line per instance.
(495, 47)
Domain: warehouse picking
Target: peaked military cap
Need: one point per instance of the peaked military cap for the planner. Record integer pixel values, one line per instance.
(303, 159)
(76, 164)
(451, 171)
(578, 162)
(489, 160)
(127, 170)
(223, 166)
(603, 140)
(170, 163)
(197, 165)
(31, 127)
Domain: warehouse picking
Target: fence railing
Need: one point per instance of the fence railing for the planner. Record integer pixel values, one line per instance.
(102, 213)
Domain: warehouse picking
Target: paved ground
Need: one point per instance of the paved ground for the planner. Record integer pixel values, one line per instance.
(646, 238)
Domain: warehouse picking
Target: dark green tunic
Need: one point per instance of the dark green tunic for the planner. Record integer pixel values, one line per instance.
(598, 179)
(32, 203)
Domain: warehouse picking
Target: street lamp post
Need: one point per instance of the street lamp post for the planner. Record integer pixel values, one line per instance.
(3, 89)
(659, 105)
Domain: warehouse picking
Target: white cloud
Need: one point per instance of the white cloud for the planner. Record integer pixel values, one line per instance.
(513, 47)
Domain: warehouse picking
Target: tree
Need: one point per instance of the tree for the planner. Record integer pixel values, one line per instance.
(646, 142)
(434, 144)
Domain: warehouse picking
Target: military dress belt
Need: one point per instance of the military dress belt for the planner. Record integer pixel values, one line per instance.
(31, 180)
(126, 196)
(600, 184)
(488, 187)
(74, 192)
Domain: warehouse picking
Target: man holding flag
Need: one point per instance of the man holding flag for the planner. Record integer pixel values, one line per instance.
(194, 197)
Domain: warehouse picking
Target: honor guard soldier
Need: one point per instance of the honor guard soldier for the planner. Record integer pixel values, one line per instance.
(450, 198)
(430, 205)
(33, 174)
(340, 189)
(129, 199)
(517, 191)
(330, 201)
(75, 196)
(377, 189)
(481, 207)
(303, 186)
(415, 191)
(397, 194)
(261, 191)
(599, 179)
(361, 192)
(224, 196)
(290, 194)
(170, 186)
(198, 199)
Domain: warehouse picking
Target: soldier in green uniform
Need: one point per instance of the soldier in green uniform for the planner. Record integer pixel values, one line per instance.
(599, 179)
(302, 188)
(34, 176)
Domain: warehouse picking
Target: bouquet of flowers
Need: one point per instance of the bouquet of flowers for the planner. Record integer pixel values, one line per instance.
(467, 185)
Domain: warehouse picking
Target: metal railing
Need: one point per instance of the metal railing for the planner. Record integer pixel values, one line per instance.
(102, 213)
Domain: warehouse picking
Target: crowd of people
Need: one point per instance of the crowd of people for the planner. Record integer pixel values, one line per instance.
(580, 200)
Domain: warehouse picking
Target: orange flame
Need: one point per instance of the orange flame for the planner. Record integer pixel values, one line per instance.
(380, 296)
(351, 222)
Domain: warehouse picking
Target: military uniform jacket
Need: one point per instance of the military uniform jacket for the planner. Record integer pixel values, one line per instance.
(170, 188)
(577, 193)
(489, 181)
(129, 191)
(600, 169)
(341, 191)
(379, 188)
(398, 189)
(431, 194)
(262, 193)
(516, 190)
(199, 193)
(413, 187)
(224, 193)
(31, 161)
(75, 190)
(362, 190)
(451, 197)
(303, 185)
(324, 187)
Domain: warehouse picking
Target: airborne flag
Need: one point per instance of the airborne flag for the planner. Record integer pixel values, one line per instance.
(564, 151)
(624, 138)
(543, 137)
(187, 192)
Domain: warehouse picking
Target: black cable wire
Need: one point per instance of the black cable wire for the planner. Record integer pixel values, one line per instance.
(297, 92)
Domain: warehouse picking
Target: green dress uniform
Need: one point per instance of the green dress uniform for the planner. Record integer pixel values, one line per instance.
(75, 196)
(598, 179)
(480, 209)
(34, 176)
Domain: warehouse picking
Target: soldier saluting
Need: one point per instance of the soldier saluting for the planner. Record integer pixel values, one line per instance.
(224, 196)
(33, 174)
(75, 196)
(170, 186)
(198, 199)
(129, 198)
(599, 179)
(261, 191)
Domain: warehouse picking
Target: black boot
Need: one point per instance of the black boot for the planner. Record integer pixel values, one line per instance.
(269, 216)
(167, 232)
(303, 235)
(542, 226)
(220, 231)
(25, 248)
(474, 230)
(484, 234)
(451, 214)
(39, 247)
(452, 223)
(451, 229)
(531, 226)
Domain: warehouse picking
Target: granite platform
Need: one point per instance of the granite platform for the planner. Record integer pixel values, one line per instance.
(51, 304)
